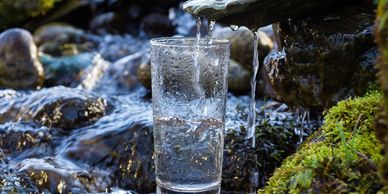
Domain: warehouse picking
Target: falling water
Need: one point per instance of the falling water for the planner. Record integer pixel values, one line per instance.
(198, 87)
(198, 25)
(252, 109)
(210, 29)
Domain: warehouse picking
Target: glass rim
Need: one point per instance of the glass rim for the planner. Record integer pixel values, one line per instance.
(177, 42)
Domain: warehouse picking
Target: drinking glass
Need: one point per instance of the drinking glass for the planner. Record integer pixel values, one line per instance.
(189, 89)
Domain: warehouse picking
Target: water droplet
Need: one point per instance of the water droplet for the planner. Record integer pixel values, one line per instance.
(234, 27)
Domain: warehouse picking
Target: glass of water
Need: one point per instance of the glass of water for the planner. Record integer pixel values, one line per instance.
(189, 87)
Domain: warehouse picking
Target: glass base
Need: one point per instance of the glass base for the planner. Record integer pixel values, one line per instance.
(212, 190)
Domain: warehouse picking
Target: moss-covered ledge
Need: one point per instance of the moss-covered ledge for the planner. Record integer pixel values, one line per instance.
(341, 157)
(382, 64)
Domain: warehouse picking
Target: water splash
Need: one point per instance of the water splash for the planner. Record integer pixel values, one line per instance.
(273, 60)
(95, 73)
(303, 125)
(252, 110)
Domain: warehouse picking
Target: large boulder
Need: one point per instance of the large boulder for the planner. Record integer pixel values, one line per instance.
(328, 59)
(19, 65)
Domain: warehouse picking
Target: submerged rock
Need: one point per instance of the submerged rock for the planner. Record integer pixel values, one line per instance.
(19, 65)
(65, 70)
(60, 176)
(18, 137)
(58, 107)
(329, 58)
(341, 157)
(64, 108)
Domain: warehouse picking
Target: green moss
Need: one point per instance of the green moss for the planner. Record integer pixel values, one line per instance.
(382, 64)
(339, 158)
(16, 11)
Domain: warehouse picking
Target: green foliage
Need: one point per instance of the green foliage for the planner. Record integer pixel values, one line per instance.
(339, 158)
(14, 12)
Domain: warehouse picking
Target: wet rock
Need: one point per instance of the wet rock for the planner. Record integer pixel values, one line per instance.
(12, 182)
(157, 24)
(238, 78)
(328, 59)
(19, 65)
(60, 176)
(15, 12)
(258, 13)
(58, 107)
(125, 71)
(65, 70)
(124, 149)
(18, 137)
(242, 45)
(64, 108)
(60, 39)
(273, 145)
(144, 75)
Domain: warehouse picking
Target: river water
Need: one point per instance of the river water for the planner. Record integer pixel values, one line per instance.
(97, 137)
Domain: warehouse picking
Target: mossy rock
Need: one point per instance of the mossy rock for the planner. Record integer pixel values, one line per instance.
(17, 11)
(341, 157)
(382, 64)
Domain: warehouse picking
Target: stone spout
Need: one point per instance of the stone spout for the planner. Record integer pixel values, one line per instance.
(258, 13)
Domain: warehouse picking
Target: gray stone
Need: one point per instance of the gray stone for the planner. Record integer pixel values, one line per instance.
(19, 65)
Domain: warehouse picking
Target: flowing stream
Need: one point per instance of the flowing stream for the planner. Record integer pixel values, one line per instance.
(98, 137)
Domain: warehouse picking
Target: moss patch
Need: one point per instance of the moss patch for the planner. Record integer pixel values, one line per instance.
(339, 158)
(13, 12)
